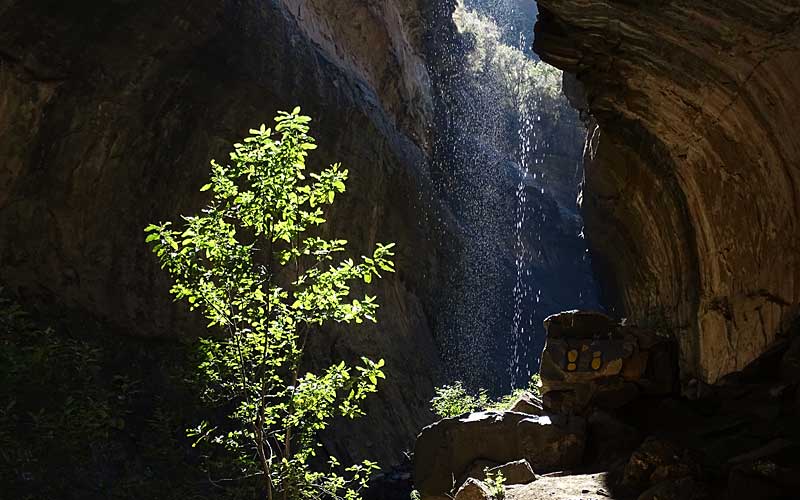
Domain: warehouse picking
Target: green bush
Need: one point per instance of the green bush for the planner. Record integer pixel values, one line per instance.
(454, 400)
(496, 484)
(520, 82)
(49, 391)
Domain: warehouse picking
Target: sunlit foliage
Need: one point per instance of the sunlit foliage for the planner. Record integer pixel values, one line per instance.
(454, 399)
(520, 80)
(252, 264)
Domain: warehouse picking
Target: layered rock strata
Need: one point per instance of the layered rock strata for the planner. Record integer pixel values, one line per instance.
(691, 190)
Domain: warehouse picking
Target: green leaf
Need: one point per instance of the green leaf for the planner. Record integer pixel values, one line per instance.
(206, 187)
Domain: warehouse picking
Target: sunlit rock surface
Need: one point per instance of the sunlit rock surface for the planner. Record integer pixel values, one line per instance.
(691, 194)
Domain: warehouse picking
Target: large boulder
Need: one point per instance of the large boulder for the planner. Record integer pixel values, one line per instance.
(446, 450)
(591, 360)
(474, 490)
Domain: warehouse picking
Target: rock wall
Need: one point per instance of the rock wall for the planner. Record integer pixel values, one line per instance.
(110, 112)
(691, 184)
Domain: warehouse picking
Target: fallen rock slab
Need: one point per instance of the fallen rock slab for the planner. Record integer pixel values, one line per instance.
(529, 404)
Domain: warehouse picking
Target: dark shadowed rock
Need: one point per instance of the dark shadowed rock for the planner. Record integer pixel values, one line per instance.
(680, 489)
(656, 460)
(609, 438)
(579, 324)
(790, 363)
(764, 478)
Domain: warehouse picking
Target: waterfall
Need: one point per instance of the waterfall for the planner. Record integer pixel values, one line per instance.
(492, 152)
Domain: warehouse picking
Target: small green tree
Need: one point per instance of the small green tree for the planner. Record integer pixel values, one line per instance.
(252, 265)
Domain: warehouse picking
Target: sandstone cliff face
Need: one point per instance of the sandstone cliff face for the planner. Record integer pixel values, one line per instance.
(381, 42)
(691, 192)
(110, 111)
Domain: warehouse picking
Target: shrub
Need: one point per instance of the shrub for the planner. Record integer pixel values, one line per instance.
(520, 82)
(249, 262)
(454, 400)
